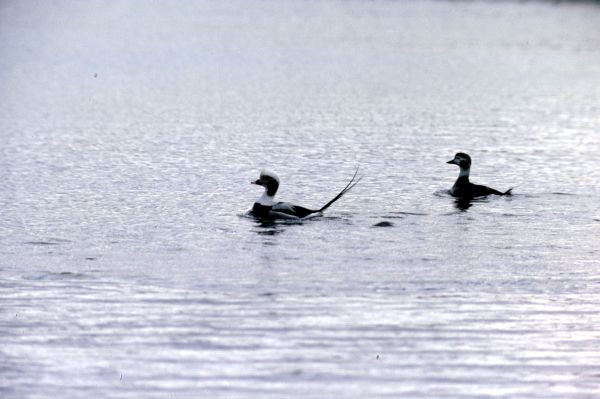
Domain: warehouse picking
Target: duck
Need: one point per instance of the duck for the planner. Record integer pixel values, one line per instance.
(267, 208)
(463, 188)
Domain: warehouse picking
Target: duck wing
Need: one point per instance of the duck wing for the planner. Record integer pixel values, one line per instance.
(476, 190)
(290, 209)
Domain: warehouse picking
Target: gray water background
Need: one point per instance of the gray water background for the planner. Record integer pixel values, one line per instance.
(129, 132)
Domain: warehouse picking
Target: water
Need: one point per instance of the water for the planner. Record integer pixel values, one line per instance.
(129, 134)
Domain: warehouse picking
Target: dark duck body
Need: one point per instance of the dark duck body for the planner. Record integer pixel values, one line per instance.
(463, 188)
(267, 208)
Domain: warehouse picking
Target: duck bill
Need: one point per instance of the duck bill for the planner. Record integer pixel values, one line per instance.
(452, 162)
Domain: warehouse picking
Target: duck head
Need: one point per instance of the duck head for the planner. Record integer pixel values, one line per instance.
(463, 161)
(269, 181)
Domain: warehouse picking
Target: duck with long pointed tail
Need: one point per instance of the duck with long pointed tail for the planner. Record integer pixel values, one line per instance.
(267, 207)
(463, 188)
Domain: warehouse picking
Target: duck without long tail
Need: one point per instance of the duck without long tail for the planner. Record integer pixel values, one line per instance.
(267, 207)
(463, 188)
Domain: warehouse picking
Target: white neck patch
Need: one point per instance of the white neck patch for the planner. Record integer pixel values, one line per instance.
(266, 199)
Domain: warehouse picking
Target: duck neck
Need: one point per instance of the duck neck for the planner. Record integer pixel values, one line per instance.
(266, 199)
(463, 178)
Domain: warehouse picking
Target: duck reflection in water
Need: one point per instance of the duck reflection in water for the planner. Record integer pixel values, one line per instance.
(463, 204)
(270, 227)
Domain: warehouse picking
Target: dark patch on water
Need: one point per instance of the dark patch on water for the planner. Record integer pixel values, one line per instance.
(175, 249)
(58, 276)
(410, 213)
(67, 274)
(561, 193)
(48, 241)
(269, 232)
(401, 215)
(383, 224)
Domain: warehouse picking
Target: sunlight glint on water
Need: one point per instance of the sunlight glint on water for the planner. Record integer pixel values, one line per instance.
(129, 135)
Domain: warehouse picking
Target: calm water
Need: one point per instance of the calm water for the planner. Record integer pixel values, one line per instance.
(129, 132)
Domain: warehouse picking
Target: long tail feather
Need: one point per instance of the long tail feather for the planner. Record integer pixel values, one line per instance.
(353, 182)
(508, 192)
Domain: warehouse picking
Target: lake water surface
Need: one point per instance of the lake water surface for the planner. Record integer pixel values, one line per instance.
(129, 133)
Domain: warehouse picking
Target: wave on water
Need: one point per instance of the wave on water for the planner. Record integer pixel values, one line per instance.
(66, 275)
